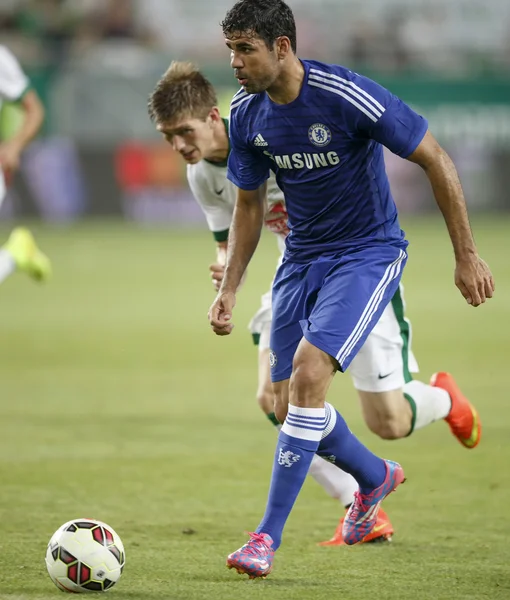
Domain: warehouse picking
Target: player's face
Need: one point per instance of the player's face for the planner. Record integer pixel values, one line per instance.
(191, 137)
(255, 66)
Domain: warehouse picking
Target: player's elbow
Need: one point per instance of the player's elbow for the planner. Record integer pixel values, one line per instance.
(34, 108)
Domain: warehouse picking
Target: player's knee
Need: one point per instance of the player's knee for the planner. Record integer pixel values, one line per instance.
(389, 428)
(307, 378)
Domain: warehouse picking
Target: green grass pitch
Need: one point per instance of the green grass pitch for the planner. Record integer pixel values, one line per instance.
(118, 403)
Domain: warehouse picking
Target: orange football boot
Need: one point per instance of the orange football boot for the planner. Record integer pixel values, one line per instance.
(463, 418)
(382, 532)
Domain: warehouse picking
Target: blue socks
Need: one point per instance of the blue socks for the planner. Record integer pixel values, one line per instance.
(341, 447)
(298, 441)
(307, 431)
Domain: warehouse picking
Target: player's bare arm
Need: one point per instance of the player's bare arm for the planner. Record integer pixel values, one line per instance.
(243, 239)
(10, 151)
(472, 275)
(217, 269)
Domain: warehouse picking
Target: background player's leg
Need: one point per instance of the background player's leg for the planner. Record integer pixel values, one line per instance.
(397, 413)
(21, 253)
(394, 404)
(7, 262)
(265, 394)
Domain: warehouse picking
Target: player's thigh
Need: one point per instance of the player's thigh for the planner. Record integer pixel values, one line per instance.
(291, 304)
(352, 298)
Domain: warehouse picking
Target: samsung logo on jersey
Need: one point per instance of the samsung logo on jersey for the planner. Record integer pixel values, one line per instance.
(304, 160)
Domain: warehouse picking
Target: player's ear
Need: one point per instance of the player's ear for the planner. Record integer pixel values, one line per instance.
(283, 47)
(214, 115)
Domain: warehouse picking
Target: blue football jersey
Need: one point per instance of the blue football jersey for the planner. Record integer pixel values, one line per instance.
(326, 148)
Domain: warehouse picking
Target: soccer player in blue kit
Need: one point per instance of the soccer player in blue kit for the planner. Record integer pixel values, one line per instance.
(321, 129)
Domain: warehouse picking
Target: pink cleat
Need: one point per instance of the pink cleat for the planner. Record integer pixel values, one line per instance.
(361, 517)
(255, 558)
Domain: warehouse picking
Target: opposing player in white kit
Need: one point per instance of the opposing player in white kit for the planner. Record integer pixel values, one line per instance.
(184, 108)
(20, 252)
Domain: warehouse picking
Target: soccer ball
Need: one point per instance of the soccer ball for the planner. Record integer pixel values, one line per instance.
(85, 556)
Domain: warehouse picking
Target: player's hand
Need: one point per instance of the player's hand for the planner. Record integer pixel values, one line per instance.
(474, 279)
(217, 271)
(220, 313)
(10, 154)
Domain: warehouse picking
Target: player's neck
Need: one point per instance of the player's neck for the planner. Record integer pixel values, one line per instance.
(288, 85)
(221, 147)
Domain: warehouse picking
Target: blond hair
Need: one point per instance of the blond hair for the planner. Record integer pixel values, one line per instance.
(181, 92)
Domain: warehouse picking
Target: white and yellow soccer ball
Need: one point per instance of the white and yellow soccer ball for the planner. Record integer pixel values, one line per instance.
(85, 555)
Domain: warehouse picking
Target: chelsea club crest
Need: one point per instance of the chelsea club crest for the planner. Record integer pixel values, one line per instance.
(319, 134)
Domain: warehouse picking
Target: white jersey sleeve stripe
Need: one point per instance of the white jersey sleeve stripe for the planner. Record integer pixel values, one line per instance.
(348, 98)
(376, 111)
(350, 84)
(239, 92)
(238, 101)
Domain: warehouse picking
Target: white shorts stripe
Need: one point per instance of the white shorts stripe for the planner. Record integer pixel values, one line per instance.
(362, 320)
(350, 84)
(372, 108)
(346, 96)
(391, 272)
(372, 306)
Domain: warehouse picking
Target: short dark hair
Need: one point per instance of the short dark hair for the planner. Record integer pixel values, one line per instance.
(182, 91)
(266, 19)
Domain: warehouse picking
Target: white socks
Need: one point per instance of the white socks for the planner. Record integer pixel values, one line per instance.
(429, 403)
(7, 264)
(337, 483)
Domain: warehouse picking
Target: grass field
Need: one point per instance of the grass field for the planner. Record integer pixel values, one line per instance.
(118, 403)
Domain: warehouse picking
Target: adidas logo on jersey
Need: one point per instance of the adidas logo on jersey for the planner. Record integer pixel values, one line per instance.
(260, 141)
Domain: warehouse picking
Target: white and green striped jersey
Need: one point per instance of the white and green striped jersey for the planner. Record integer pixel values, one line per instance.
(216, 195)
(13, 81)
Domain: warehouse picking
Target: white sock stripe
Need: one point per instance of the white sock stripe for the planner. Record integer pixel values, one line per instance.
(392, 270)
(372, 307)
(307, 412)
(302, 433)
(304, 423)
(331, 422)
(307, 419)
(311, 427)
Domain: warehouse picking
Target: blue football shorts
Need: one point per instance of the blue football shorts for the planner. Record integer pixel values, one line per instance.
(332, 301)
